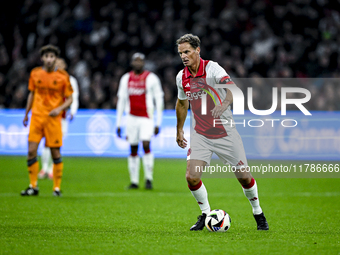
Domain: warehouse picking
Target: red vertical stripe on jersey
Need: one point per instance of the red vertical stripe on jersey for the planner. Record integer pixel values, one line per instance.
(137, 94)
(204, 123)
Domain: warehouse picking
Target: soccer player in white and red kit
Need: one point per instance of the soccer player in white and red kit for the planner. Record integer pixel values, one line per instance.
(140, 92)
(207, 138)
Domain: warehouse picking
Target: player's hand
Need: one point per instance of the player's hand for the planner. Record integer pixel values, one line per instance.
(119, 132)
(218, 111)
(181, 141)
(71, 117)
(25, 121)
(156, 130)
(55, 112)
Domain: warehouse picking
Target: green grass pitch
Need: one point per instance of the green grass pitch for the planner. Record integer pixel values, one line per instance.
(97, 215)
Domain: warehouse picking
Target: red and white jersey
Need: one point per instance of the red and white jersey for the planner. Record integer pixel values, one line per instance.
(209, 74)
(137, 94)
(75, 96)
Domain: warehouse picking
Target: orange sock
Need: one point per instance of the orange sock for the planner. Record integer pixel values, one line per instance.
(57, 174)
(33, 170)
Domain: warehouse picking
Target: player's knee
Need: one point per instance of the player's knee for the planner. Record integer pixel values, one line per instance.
(134, 149)
(32, 153)
(244, 180)
(55, 152)
(146, 147)
(57, 160)
(31, 161)
(192, 181)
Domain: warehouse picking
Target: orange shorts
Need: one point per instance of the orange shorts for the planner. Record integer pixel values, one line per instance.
(48, 127)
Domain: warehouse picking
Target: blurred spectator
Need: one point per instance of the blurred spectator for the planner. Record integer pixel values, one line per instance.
(262, 38)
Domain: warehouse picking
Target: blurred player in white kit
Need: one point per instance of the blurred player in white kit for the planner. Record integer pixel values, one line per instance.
(46, 158)
(140, 92)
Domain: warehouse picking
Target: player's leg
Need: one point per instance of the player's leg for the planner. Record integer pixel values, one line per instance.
(133, 166)
(195, 184)
(33, 170)
(199, 155)
(145, 133)
(148, 163)
(249, 187)
(132, 132)
(54, 140)
(250, 190)
(32, 163)
(46, 163)
(46, 156)
(248, 183)
(230, 149)
(34, 136)
(198, 190)
(49, 167)
(64, 129)
(58, 167)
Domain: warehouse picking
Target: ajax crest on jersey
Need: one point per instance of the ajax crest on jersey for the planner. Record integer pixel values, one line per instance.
(217, 221)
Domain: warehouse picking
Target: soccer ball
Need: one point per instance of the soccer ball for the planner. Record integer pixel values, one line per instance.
(217, 221)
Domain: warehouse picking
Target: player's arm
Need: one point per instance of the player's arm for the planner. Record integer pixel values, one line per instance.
(159, 100)
(28, 107)
(219, 109)
(56, 111)
(120, 110)
(75, 95)
(181, 114)
(122, 98)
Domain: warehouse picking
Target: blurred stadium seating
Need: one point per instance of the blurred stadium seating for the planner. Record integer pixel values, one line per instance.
(262, 38)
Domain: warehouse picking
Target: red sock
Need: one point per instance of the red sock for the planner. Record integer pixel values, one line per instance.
(196, 187)
(251, 184)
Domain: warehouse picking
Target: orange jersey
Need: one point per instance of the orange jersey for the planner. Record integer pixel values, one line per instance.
(50, 89)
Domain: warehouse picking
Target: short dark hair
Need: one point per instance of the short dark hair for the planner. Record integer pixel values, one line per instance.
(49, 48)
(193, 40)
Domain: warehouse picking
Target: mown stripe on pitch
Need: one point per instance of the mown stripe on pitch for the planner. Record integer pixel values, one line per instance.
(169, 194)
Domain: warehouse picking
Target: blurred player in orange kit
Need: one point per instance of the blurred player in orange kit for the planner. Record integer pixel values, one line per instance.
(46, 157)
(50, 93)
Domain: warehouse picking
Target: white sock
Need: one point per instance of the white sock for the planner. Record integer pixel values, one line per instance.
(148, 162)
(251, 194)
(46, 158)
(133, 166)
(50, 167)
(201, 195)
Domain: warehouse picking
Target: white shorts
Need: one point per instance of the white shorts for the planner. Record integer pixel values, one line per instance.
(138, 129)
(229, 149)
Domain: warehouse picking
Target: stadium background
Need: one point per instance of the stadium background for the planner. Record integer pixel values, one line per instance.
(263, 38)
